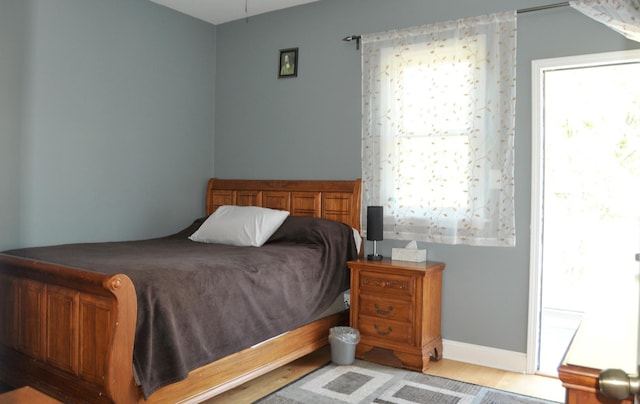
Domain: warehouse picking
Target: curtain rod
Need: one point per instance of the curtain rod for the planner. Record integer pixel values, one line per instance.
(519, 11)
(539, 8)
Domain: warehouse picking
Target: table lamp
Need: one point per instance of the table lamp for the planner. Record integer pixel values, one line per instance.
(374, 230)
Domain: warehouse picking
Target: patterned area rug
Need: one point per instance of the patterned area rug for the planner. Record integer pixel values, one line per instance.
(366, 382)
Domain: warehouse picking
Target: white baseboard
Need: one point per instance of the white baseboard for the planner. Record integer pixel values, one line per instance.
(485, 356)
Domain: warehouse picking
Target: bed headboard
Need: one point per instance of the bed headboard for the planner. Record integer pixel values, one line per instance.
(335, 200)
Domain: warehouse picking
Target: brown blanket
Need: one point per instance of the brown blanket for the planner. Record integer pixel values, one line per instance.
(199, 302)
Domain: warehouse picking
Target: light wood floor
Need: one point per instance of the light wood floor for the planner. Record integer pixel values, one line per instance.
(532, 385)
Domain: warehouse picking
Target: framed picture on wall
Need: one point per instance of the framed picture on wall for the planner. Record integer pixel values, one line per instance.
(288, 65)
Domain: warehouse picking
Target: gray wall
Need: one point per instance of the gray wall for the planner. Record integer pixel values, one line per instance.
(107, 124)
(13, 37)
(309, 127)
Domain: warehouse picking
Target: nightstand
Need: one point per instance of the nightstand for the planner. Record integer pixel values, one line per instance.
(396, 307)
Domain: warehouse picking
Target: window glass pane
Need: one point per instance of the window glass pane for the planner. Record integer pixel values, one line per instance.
(434, 171)
(435, 94)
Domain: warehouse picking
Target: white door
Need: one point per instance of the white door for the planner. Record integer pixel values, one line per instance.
(585, 197)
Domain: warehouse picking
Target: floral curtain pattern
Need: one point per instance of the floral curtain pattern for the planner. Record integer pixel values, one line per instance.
(622, 16)
(438, 130)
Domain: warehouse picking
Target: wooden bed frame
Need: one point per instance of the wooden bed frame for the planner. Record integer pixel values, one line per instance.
(70, 332)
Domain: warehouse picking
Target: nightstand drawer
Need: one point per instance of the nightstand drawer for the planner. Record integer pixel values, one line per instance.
(376, 306)
(389, 284)
(386, 330)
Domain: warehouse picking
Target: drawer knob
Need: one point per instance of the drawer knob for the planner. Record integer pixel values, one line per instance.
(383, 312)
(382, 332)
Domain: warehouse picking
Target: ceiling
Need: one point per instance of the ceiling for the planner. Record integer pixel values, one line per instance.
(221, 11)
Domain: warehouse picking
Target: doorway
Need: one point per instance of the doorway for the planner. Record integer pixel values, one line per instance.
(585, 197)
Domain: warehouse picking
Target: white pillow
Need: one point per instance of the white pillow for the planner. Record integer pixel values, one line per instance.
(358, 239)
(240, 225)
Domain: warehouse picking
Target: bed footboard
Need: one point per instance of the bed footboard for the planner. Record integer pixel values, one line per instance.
(67, 332)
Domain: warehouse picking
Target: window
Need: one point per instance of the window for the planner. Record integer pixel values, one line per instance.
(438, 127)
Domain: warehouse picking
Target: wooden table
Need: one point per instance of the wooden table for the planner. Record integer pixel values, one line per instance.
(602, 341)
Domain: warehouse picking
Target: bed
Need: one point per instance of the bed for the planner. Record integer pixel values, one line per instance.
(69, 330)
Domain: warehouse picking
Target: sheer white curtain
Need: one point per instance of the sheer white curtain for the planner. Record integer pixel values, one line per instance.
(622, 16)
(438, 130)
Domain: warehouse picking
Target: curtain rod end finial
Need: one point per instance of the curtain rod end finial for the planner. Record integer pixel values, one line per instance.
(352, 38)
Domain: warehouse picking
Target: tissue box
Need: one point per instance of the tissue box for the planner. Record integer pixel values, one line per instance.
(408, 254)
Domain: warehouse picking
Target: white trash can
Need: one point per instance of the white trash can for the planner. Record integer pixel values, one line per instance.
(343, 341)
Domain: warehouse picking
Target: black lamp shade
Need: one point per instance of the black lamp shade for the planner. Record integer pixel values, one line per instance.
(374, 223)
